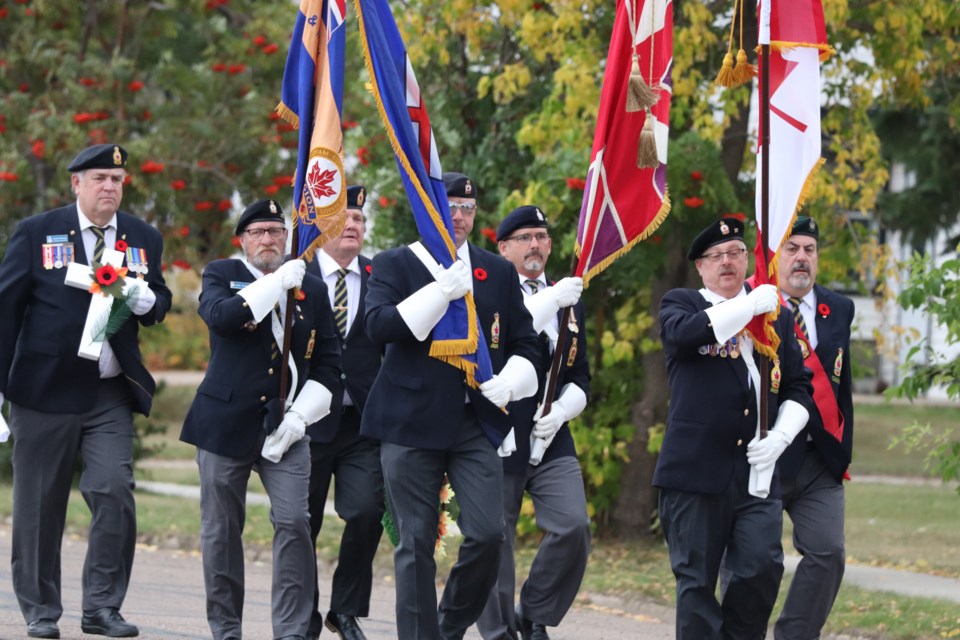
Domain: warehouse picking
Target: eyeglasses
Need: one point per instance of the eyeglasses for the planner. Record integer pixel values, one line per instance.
(275, 232)
(525, 238)
(465, 207)
(733, 254)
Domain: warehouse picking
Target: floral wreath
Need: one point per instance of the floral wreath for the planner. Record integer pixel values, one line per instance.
(107, 280)
(444, 522)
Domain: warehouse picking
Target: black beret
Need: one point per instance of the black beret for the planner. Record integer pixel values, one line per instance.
(99, 156)
(459, 185)
(521, 218)
(806, 226)
(356, 196)
(264, 210)
(722, 230)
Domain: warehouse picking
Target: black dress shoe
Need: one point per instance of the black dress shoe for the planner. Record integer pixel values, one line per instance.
(344, 626)
(43, 628)
(107, 621)
(530, 630)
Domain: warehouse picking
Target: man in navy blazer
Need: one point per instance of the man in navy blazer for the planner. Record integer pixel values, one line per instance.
(548, 470)
(63, 404)
(336, 446)
(813, 467)
(719, 496)
(431, 423)
(238, 423)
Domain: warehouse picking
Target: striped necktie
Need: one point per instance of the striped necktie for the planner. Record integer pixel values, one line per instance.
(100, 245)
(274, 347)
(533, 285)
(340, 306)
(795, 303)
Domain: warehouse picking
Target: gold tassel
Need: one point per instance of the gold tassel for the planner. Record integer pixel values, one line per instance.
(725, 77)
(744, 72)
(640, 95)
(647, 149)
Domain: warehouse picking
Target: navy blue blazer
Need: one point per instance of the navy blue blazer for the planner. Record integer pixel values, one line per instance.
(833, 348)
(226, 416)
(417, 400)
(574, 368)
(41, 318)
(359, 361)
(712, 413)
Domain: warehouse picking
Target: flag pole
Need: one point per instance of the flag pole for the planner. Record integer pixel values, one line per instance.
(557, 360)
(764, 37)
(287, 325)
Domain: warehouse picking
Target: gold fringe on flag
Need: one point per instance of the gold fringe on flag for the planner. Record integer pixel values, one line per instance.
(647, 148)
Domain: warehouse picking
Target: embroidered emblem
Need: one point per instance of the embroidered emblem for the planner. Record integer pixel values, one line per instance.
(539, 215)
(117, 158)
(804, 349)
(495, 332)
(360, 197)
(775, 376)
(468, 188)
(310, 343)
(838, 363)
(273, 207)
(724, 229)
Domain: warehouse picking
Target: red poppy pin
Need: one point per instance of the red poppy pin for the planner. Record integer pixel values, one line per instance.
(823, 310)
(120, 245)
(369, 268)
(299, 294)
(480, 274)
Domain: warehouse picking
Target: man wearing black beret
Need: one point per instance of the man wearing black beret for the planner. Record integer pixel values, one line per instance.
(719, 495)
(238, 425)
(336, 446)
(812, 469)
(73, 391)
(545, 462)
(431, 423)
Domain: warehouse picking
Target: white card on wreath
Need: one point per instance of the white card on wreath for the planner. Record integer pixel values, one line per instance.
(80, 277)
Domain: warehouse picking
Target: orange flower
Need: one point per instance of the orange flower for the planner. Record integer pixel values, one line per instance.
(696, 175)
(489, 233)
(152, 167)
(203, 205)
(178, 185)
(217, 67)
(260, 41)
(38, 148)
(270, 48)
(135, 86)
(576, 183)
(224, 205)
(693, 202)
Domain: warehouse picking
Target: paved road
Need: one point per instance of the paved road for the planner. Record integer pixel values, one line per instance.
(166, 600)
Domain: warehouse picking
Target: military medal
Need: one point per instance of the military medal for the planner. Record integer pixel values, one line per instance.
(734, 347)
(572, 324)
(495, 332)
(838, 363)
(775, 376)
(804, 349)
(48, 262)
(572, 353)
(312, 341)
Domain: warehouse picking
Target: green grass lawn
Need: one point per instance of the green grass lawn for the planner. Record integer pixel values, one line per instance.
(878, 424)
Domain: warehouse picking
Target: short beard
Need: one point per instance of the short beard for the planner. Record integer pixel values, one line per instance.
(799, 279)
(265, 263)
(534, 265)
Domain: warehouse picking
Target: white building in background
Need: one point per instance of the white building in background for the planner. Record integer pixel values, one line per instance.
(872, 319)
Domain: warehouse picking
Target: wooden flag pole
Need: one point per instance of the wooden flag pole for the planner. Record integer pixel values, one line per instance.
(764, 186)
(287, 325)
(557, 360)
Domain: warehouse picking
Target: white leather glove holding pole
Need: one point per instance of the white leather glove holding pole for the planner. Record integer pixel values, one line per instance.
(791, 419)
(138, 295)
(517, 379)
(569, 405)
(728, 318)
(4, 429)
(312, 404)
(263, 294)
(422, 310)
(545, 304)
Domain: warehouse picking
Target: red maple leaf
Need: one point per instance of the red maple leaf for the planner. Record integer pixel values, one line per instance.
(319, 181)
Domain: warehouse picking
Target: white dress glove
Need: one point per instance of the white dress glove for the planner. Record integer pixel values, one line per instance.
(290, 431)
(730, 316)
(517, 380)
(138, 295)
(312, 404)
(291, 274)
(455, 281)
(422, 309)
(4, 429)
(791, 419)
(568, 406)
(545, 304)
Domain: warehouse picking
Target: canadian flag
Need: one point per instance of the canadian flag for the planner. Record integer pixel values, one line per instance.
(798, 43)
